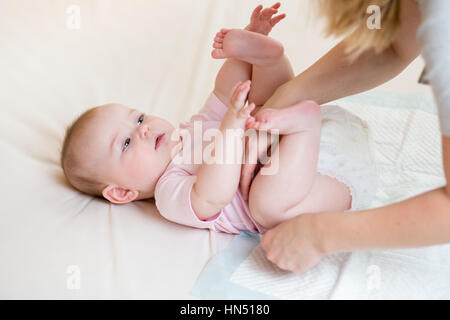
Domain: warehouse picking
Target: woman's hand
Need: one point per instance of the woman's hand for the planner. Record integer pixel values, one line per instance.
(296, 244)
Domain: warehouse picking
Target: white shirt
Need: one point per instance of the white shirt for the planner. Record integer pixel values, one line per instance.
(434, 36)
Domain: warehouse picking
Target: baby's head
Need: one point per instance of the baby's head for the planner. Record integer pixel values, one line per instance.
(117, 152)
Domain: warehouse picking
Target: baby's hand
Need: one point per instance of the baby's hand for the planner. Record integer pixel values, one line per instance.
(238, 100)
(262, 21)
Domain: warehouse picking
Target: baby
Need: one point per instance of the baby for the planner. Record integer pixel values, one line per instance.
(124, 155)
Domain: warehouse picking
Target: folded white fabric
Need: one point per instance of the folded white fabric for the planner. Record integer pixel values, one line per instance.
(392, 274)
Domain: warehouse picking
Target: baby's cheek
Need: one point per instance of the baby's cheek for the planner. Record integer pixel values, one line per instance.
(142, 166)
(136, 170)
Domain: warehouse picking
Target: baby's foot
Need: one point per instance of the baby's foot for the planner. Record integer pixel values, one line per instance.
(262, 21)
(247, 46)
(299, 117)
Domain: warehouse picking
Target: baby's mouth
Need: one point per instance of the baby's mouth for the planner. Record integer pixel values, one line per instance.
(159, 140)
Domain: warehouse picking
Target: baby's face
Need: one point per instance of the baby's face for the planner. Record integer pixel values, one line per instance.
(131, 149)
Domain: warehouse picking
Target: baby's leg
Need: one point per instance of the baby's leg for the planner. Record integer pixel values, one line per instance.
(277, 197)
(270, 67)
(231, 72)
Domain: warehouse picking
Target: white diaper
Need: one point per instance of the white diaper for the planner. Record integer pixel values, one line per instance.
(346, 155)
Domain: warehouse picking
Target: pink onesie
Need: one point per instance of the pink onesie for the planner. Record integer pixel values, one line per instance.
(173, 189)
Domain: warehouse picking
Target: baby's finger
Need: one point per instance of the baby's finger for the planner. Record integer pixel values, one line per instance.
(233, 90)
(256, 11)
(268, 12)
(241, 86)
(277, 19)
(242, 91)
(276, 5)
(250, 108)
(238, 96)
(245, 112)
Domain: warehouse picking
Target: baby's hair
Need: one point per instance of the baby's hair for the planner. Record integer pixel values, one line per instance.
(350, 17)
(75, 171)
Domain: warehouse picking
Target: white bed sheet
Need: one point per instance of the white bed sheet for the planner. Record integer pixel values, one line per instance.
(151, 55)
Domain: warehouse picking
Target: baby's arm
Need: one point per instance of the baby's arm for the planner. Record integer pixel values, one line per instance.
(217, 183)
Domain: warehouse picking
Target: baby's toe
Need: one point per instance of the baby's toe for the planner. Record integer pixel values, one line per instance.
(251, 123)
(218, 54)
(261, 118)
(256, 125)
(218, 45)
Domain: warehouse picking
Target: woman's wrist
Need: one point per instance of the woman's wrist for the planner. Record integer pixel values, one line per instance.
(342, 231)
(277, 100)
(288, 94)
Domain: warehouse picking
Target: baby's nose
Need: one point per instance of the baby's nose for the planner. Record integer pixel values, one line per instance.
(143, 131)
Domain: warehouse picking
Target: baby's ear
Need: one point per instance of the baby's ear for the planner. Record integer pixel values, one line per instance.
(119, 195)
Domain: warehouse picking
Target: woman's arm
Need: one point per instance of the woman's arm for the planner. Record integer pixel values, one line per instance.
(299, 244)
(419, 221)
(333, 76)
(218, 180)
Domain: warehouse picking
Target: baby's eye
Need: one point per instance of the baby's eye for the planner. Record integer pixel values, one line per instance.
(126, 144)
(141, 119)
(128, 140)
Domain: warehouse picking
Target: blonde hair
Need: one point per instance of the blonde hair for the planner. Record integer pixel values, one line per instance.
(350, 16)
(75, 170)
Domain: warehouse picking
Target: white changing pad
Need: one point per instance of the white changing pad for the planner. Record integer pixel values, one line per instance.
(406, 144)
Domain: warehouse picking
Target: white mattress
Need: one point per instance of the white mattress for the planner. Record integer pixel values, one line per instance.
(56, 242)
